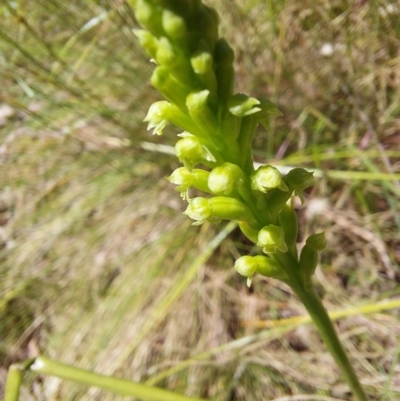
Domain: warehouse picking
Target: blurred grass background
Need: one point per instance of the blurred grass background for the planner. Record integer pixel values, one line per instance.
(99, 269)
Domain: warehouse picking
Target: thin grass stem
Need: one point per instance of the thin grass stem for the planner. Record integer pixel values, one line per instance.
(52, 368)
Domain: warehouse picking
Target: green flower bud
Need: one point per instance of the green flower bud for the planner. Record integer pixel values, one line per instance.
(147, 41)
(202, 115)
(199, 210)
(166, 54)
(171, 56)
(241, 105)
(272, 238)
(186, 178)
(174, 25)
(317, 241)
(191, 151)
(223, 179)
(182, 177)
(297, 180)
(149, 16)
(158, 116)
(216, 209)
(162, 112)
(267, 178)
(289, 224)
(169, 87)
(247, 266)
(224, 57)
(202, 64)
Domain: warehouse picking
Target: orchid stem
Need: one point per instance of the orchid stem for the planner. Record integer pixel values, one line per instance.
(322, 321)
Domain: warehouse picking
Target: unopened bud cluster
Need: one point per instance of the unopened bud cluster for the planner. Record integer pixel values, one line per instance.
(194, 73)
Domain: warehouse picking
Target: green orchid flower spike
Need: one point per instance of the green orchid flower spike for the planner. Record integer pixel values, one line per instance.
(194, 73)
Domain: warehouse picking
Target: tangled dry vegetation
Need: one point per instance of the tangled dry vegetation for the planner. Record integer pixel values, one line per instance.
(98, 267)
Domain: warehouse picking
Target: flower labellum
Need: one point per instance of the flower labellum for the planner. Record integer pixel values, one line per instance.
(158, 116)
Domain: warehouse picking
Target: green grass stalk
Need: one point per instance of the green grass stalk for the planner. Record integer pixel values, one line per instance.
(46, 366)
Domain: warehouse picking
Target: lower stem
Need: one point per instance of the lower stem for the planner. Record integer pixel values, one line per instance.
(328, 333)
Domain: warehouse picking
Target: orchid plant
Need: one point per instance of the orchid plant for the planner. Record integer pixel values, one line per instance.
(194, 72)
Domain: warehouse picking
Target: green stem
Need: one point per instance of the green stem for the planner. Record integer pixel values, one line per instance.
(303, 288)
(328, 333)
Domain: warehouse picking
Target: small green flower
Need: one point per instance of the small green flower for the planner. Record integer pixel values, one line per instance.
(174, 25)
(158, 116)
(201, 113)
(216, 209)
(198, 210)
(224, 179)
(148, 15)
(147, 41)
(191, 151)
(166, 54)
(202, 62)
(272, 238)
(172, 89)
(267, 178)
(247, 266)
(185, 178)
